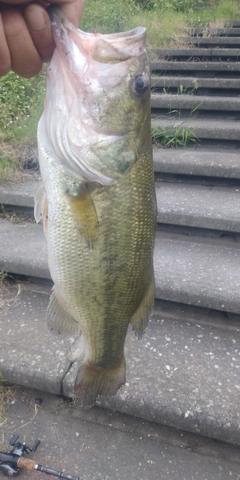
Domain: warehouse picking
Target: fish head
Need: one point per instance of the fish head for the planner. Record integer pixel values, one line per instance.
(97, 108)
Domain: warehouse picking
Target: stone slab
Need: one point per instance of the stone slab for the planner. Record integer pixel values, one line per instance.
(190, 270)
(101, 444)
(162, 66)
(168, 393)
(194, 82)
(20, 194)
(198, 271)
(194, 52)
(203, 128)
(216, 208)
(29, 355)
(181, 373)
(212, 32)
(23, 249)
(199, 161)
(194, 102)
(211, 40)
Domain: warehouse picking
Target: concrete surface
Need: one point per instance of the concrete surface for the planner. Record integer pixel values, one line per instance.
(23, 249)
(194, 52)
(102, 445)
(193, 82)
(198, 271)
(181, 373)
(199, 102)
(200, 206)
(188, 269)
(195, 66)
(206, 32)
(20, 194)
(211, 41)
(223, 163)
(204, 128)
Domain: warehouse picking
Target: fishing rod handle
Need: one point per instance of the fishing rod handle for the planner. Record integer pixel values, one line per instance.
(26, 463)
(31, 465)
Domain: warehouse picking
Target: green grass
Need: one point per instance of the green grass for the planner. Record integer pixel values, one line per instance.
(179, 137)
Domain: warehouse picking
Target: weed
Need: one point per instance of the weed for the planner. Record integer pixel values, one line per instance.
(9, 168)
(7, 396)
(109, 16)
(179, 136)
(20, 100)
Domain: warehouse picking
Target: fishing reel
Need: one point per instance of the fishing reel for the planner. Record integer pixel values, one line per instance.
(9, 460)
(13, 461)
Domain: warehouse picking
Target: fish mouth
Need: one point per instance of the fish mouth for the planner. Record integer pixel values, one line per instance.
(83, 79)
(104, 48)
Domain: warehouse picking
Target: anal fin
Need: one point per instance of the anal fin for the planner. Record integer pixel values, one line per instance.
(59, 319)
(140, 318)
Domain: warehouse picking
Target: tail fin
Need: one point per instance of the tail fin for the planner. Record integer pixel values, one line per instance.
(93, 381)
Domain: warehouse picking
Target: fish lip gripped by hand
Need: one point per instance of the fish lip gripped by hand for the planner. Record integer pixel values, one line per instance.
(98, 197)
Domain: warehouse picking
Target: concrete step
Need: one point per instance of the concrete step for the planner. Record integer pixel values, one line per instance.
(19, 194)
(167, 66)
(183, 373)
(194, 53)
(192, 270)
(195, 84)
(204, 129)
(199, 206)
(212, 32)
(197, 161)
(211, 41)
(198, 271)
(232, 23)
(143, 448)
(198, 103)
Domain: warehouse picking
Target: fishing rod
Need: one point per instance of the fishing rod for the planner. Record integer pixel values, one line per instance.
(13, 461)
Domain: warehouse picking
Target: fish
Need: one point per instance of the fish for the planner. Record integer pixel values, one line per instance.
(97, 200)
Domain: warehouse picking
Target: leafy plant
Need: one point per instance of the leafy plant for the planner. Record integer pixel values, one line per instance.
(179, 136)
(9, 168)
(109, 16)
(19, 100)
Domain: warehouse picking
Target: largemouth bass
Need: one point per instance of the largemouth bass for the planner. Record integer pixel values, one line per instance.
(98, 200)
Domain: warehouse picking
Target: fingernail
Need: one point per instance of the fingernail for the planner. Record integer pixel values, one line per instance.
(35, 18)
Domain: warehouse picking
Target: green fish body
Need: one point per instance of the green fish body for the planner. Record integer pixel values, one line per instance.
(98, 197)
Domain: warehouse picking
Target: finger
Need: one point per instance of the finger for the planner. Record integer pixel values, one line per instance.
(15, 2)
(5, 59)
(39, 26)
(25, 59)
(72, 9)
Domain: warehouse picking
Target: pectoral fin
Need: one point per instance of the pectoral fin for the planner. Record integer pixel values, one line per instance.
(85, 214)
(41, 208)
(59, 319)
(140, 318)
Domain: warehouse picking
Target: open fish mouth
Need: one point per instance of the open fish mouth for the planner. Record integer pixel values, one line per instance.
(86, 73)
(108, 48)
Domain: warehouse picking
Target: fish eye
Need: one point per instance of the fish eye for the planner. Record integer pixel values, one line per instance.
(140, 84)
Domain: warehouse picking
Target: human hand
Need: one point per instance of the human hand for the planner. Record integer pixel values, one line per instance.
(26, 39)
